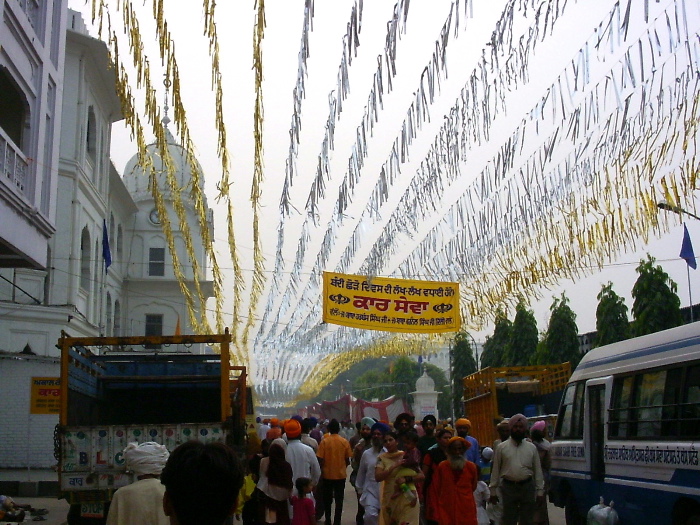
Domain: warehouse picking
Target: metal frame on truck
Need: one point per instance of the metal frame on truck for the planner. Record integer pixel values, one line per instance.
(117, 390)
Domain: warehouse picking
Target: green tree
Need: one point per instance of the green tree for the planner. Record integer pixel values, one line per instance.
(656, 305)
(463, 364)
(541, 356)
(496, 346)
(367, 385)
(403, 375)
(523, 337)
(611, 322)
(561, 338)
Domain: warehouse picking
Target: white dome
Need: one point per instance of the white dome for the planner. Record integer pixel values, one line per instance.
(136, 180)
(425, 383)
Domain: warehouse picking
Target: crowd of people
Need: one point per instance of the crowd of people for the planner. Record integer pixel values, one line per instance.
(404, 473)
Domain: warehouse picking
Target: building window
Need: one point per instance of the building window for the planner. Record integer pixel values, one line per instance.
(117, 319)
(108, 316)
(156, 262)
(154, 327)
(13, 110)
(85, 260)
(91, 135)
(111, 229)
(120, 245)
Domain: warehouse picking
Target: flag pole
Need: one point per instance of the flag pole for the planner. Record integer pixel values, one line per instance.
(688, 254)
(690, 294)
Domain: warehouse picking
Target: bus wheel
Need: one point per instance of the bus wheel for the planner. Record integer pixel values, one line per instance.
(571, 512)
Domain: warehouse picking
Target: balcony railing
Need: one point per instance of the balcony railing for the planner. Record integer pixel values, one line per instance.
(13, 164)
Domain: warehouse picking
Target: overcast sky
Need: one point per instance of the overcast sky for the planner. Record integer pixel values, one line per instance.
(280, 54)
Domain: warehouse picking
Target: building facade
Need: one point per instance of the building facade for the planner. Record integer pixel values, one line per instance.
(76, 288)
(32, 47)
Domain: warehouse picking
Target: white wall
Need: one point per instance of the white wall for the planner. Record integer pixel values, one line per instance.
(26, 440)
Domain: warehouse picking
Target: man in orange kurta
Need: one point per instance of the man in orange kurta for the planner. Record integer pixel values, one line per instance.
(334, 455)
(455, 480)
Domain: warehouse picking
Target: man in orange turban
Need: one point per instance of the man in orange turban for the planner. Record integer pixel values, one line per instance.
(463, 427)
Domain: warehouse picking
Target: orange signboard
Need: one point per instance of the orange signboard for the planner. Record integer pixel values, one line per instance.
(45, 395)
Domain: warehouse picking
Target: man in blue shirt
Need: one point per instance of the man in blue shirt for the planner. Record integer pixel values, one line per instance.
(463, 426)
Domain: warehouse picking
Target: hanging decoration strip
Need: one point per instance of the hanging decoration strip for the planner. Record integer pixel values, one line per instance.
(209, 9)
(165, 46)
(386, 63)
(350, 43)
(579, 171)
(258, 281)
(153, 114)
(142, 67)
(585, 205)
(417, 115)
(326, 370)
(355, 242)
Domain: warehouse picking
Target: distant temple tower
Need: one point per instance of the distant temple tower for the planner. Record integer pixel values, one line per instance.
(425, 397)
(155, 299)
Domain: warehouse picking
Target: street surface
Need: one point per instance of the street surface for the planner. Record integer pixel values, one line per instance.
(58, 509)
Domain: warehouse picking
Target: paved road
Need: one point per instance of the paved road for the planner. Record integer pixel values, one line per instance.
(59, 508)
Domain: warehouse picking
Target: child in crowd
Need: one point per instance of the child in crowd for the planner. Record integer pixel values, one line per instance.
(485, 464)
(247, 506)
(302, 505)
(481, 496)
(411, 465)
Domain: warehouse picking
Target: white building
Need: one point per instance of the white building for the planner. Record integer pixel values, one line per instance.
(31, 76)
(71, 291)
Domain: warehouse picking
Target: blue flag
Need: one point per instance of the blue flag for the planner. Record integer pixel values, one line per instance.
(687, 252)
(106, 252)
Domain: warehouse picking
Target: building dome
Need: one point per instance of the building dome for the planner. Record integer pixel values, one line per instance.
(425, 383)
(136, 180)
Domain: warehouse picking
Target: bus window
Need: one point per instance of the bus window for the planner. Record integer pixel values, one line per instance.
(690, 424)
(570, 419)
(672, 400)
(620, 412)
(649, 398)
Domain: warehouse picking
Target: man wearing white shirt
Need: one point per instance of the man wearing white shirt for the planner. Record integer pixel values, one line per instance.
(517, 472)
(366, 484)
(300, 456)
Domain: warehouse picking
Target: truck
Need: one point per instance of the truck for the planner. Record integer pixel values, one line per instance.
(119, 390)
(494, 393)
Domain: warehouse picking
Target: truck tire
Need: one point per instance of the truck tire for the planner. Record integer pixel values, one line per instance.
(571, 511)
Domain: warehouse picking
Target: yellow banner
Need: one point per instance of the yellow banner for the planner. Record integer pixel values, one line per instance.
(391, 305)
(45, 395)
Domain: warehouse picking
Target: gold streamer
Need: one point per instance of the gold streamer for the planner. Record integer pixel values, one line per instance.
(258, 283)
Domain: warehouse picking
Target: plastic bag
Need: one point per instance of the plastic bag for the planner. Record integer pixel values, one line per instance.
(602, 514)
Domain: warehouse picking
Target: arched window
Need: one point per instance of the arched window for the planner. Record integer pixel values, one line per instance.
(117, 319)
(85, 260)
(108, 316)
(111, 229)
(91, 135)
(120, 241)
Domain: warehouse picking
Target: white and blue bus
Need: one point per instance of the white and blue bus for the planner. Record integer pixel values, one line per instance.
(628, 430)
